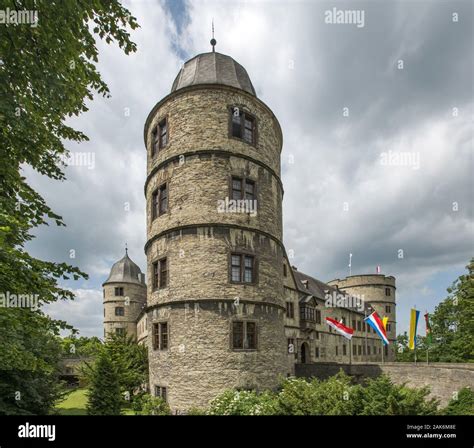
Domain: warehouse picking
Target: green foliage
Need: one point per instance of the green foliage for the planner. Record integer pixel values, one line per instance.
(381, 397)
(104, 390)
(452, 326)
(334, 396)
(463, 404)
(243, 402)
(78, 347)
(130, 361)
(47, 73)
(149, 405)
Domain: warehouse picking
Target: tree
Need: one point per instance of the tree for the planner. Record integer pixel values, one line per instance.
(453, 322)
(47, 72)
(83, 346)
(104, 390)
(452, 326)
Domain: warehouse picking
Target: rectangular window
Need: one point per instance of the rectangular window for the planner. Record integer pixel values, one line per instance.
(359, 350)
(359, 325)
(160, 336)
(316, 352)
(389, 327)
(243, 189)
(368, 349)
(354, 324)
(163, 335)
(155, 275)
(387, 291)
(163, 199)
(244, 335)
(119, 311)
(316, 335)
(354, 350)
(159, 201)
(290, 311)
(163, 273)
(387, 309)
(243, 125)
(284, 270)
(337, 350)
(242, 268)
(318, 316)
(154, 142)
(160, 274)
(344, 350)
(163, 133)
(119, 291)
(120, 331)
(160, 391)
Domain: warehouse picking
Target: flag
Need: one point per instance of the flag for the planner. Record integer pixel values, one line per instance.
(374, 321)
(414, 316)
(385, 321)
(340, 327)
(378, 269)
(428, 328)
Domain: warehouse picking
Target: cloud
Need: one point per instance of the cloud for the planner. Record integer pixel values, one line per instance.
(339, 196)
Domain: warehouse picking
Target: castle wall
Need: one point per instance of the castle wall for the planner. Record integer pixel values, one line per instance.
(444, 379)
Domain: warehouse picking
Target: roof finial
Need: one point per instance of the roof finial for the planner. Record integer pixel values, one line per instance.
(126, 249)
(213, 41)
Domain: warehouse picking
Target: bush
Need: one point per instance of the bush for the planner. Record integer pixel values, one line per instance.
(148, 405)
(334, 396)
(462, 405)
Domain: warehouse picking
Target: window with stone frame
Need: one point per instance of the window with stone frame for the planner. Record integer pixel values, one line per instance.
(387, 292)
(243, 188)
(242, 268)
(308, 313)
(316, 352)
(119, 291)
(243, 125)
(354, 350)
(119, 311)
(160, 391)
(388, 309)
(290, 310)
(285, 273)
(337, 350)
(159, 201)
(159, 274)
(120, 331)
(160, 336)
(344, 350)
(244, 335)
(359, 350)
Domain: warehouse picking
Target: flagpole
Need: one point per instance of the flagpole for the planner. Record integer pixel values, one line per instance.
(414, 336)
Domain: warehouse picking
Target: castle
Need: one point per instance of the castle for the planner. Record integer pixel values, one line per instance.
(222, 307)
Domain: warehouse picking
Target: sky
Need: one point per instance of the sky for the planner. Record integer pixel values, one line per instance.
(377, 130)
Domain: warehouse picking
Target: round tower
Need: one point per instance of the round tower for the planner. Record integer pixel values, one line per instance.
(378, 291)
(124, 297)
(214, 236)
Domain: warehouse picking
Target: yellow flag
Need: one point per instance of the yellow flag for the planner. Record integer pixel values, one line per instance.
(414, 315)
(384, 321)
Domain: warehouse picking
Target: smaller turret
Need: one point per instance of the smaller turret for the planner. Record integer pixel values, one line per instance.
(124, 297)
(378, 291)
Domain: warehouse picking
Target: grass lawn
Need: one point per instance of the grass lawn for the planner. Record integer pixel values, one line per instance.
(75, 404)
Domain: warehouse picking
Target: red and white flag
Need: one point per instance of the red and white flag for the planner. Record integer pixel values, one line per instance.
(378, 269)
(340, 327)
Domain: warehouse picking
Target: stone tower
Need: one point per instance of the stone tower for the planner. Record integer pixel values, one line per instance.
(124, 297)
(215, 293)
(378, 291)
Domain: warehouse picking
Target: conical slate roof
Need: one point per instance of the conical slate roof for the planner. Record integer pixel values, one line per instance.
(213, 68)
(125, 271)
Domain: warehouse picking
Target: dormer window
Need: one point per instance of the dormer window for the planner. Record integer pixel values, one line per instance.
(243, 125)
